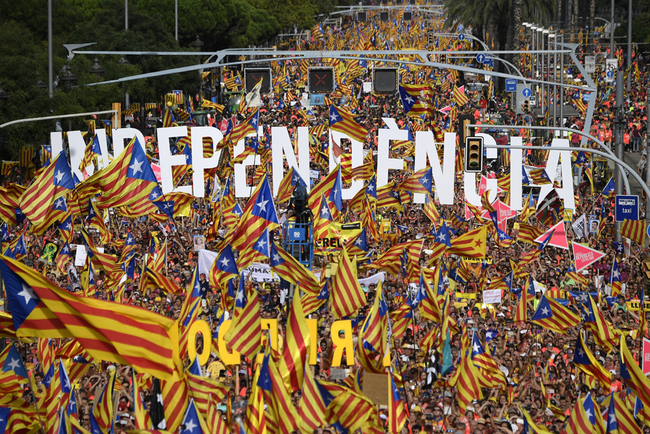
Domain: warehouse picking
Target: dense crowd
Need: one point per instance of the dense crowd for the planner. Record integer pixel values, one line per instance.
(532, 359)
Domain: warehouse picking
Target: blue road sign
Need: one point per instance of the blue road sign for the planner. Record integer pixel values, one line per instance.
(627, 208)
(649, 230)
(489, 63)
(610, 74)
(526, 93)
(296, 234)
(586, 96)
(461, 37)
(480, 58)
(316, 99)
(511, 85)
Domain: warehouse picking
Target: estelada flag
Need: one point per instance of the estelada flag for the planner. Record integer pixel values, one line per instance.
(585, 256)
(634, 230)
(470, 245)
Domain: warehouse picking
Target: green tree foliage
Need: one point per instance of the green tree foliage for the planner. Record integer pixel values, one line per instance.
(23, 50)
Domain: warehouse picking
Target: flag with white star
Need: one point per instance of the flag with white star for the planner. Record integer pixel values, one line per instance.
(11, 362)
(224, 268)
(344, 122)
(43, 203)
(128, 181)
(30, 315)
(259, 214)
(552, 315)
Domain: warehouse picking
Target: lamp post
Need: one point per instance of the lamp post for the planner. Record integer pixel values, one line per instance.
(124, 61)
(96, 69)
(68, 78)
(4, 95)
(50, 61)
(611, 33)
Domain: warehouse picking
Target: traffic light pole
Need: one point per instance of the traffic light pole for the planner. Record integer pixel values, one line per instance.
(607, 155)
(586, 136)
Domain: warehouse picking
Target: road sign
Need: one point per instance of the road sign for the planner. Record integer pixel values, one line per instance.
(610, 70)
(480, 58)
(511, 85)
(523, 95)
(489, 62)
(590, 64)
(627, 208)
(526, 92)
(586, 96)
(648, 230)
(461, 37)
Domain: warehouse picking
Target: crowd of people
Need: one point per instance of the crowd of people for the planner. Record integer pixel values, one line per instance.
(540, 382)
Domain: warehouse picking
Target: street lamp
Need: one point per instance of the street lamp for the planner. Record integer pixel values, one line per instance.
(3, 94)
(68, 79)
(123, 61)
(198, 43)
(39, 83)
(96, 68)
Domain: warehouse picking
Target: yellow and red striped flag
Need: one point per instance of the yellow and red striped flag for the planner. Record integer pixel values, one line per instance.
(128, 180)
(459, 96)
(255, 420)
(291, 270)
(141, 417)
(44, 201)
(7, 167)
(122, 334)
(343, 121)
(587, 363)
(175, 400)
(346, 293)
(634, 230)
(632, 375)
(103, 408)
(553, 316)
(312, 407)
(466, 381)
(296, 345)
(25, 156)
(245, 332)
(471, 244)
(203, 390)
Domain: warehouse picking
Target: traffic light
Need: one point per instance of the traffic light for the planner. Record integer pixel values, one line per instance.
(384, 80)
(406, 16)
(473, 154)
(321, 79)
(383, 16)
(361, 17)
(526, 106)
(431, 37)
(253, 75)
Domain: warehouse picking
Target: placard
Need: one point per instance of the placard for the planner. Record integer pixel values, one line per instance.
(492, 296)
(199, 242)
(375, 387)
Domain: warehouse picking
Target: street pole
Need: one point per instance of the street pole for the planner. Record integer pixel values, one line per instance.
(126, 27)
(561, 83)
(620, 173)
(629, 43)
(176, 18)
(611, 34)
(647, 169)
(50, 67)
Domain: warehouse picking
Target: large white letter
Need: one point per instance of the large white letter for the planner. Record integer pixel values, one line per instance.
(199, 162)
(122, 134)
(384, 163)
(282, 147)
(516, 178)
(425, 148)
(242, 189)
(77, 147)
(566, 191)
(167, 160)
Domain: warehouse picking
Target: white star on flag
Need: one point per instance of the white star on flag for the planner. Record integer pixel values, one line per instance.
(136, 166)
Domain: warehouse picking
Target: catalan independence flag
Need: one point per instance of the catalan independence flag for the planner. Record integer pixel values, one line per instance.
(291, 270)
(471, 244)
(259, 214)
(296, 344)
(632, 375)
(346, 294)
(417, 100)
(109, 331)
(459, 96)
(128, 180)
(552, 315)
(44, 200)
(245, 332)
(587, 363)
(344, 122)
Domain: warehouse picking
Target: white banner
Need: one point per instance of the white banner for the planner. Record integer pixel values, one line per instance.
(492, 296)
(580, 227)
(261, 273)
